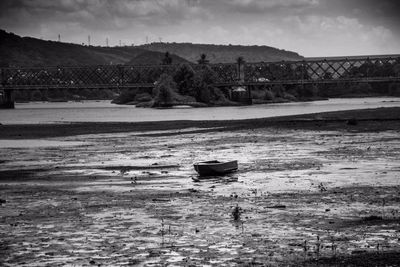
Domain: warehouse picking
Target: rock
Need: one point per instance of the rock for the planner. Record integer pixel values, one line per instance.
(237, 211)
(192, 190)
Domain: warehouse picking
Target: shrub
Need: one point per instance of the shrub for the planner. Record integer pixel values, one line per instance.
(258, 94)
(361, 88)
(204, 95)
(143, 97)
(86, 93)
(289, 97)
(125, 97)
(269, 95)
(278, 90)
(394, 89)
(22, 95)
(339, 90)
(105, 94)
(37, 95)
(294, 90)
(218, 97)
(308, 90)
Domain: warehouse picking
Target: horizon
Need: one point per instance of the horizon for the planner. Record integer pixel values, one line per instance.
(311, 28)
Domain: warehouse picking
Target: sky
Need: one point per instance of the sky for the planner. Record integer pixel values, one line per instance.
(311, 28)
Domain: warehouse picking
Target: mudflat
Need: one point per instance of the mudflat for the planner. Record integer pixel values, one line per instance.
(318, 190)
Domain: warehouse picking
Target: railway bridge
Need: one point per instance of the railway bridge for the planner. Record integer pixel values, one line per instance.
(356, 69)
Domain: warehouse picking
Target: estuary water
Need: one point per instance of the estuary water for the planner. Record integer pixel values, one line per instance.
(104, 111)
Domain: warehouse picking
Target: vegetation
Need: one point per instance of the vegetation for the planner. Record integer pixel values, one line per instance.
(167, 60)
(155, 58)
(223, 53)
(27, 51)
(56, 95)
(203, 59)
(163, 91)
(183, 85)
(16, 51)
(184, 78)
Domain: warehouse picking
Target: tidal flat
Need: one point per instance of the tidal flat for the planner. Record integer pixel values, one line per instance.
(317, 190)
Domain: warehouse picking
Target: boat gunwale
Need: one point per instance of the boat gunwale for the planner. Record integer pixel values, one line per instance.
(215, 162)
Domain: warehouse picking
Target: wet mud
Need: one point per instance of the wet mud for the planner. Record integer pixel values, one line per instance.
(317, 198)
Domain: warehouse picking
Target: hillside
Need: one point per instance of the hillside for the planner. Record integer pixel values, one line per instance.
(27, 51)
(223, 53)
(154, 58)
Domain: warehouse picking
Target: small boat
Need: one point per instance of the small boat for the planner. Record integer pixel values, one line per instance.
(215, 167)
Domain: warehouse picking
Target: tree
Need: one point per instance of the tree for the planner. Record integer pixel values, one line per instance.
(240, 63)
(167, 60)
(240, 60)
(164, 90)
(203, 59)
(184, 78)
(203, 80)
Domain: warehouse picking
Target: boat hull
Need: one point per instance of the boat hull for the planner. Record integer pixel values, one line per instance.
(213, 168)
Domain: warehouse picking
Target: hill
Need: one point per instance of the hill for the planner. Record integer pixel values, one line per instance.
(28, 51)
(223, 53)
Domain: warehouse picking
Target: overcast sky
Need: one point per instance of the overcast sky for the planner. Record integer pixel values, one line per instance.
(309, 27)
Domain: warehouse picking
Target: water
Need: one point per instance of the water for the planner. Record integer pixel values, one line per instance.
(36, 143)
(104, 111)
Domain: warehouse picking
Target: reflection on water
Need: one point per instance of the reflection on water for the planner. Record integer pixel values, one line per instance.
(104, 111)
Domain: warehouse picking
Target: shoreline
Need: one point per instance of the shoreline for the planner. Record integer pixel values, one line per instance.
(378, 119)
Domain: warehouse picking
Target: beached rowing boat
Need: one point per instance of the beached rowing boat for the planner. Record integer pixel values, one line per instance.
(215, 167)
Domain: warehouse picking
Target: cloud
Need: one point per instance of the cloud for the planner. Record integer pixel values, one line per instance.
(306, 26)
(261, 5)
(104, 12)
(340, 36)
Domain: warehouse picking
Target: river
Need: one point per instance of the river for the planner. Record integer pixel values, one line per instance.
(104, 111)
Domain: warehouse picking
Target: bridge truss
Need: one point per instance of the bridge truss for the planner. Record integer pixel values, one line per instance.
(311, 71)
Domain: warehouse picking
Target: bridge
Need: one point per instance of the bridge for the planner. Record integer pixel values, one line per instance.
(378, 68)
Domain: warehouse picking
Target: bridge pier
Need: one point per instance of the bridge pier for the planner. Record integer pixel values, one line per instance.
(249, 96)
(7, 99)
(246, 97)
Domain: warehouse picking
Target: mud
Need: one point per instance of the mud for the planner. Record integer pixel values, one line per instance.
(305, 196)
